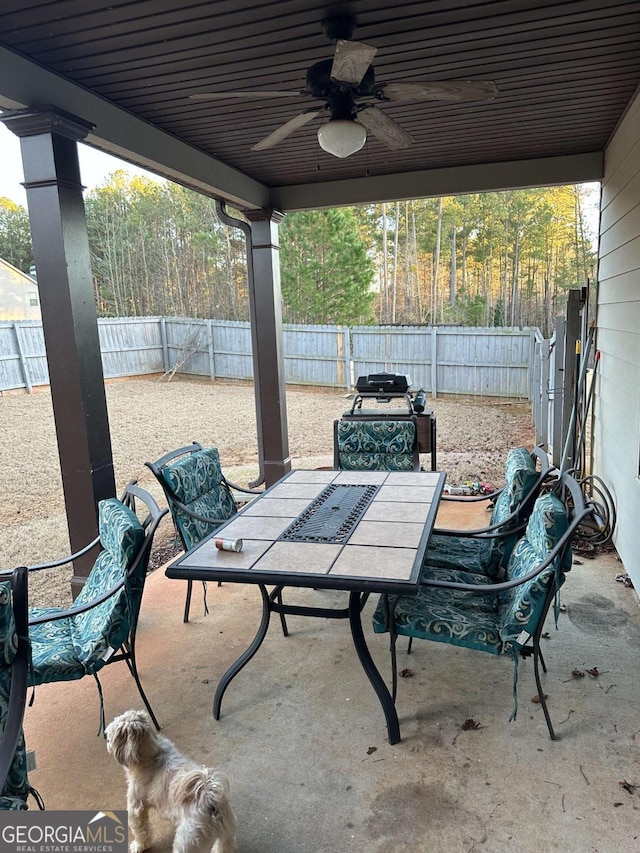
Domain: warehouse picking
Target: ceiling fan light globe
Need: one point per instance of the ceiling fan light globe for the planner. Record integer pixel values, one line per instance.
(342, 137)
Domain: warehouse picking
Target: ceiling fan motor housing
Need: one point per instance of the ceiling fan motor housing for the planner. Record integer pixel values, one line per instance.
(338, 27)
(320, 84)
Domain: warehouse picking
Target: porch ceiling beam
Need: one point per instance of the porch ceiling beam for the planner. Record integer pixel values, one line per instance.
(460, 180)
(116, 131)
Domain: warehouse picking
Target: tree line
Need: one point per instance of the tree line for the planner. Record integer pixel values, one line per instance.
(486, 259)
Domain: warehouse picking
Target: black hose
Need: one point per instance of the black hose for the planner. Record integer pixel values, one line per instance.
(599, 531)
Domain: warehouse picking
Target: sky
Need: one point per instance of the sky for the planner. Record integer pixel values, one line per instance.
(95, 167)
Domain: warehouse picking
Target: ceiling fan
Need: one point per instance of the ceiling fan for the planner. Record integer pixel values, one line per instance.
(348, 87)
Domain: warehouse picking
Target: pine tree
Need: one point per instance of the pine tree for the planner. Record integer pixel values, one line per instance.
(325, 269)
(15, 235)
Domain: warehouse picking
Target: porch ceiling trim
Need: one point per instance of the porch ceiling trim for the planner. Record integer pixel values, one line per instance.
(460, 180)
(118, 132)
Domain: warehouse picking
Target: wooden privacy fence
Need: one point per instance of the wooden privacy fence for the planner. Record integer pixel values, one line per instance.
(479, 362)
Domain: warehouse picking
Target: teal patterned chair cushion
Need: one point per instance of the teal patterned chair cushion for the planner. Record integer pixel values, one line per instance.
(376, 445)
(446, 615)
(71, 647)
(8, 636)
(489, 622)
(471, 554)
(519, 478)
(197, 482)
(12, 804)
(521, 606)
(488, 555)
(53, 653)
(106, 626)
(16, 787)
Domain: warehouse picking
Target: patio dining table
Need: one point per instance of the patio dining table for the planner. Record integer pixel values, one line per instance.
(361, 531)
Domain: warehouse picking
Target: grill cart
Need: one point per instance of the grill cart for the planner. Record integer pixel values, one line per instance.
(394, 388)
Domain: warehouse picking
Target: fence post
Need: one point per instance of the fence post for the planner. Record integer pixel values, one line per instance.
(165, 346)
(212, 361)
(341, 369)
(536, 391)
(434, 362)
(532, 355)
(348, 361)
(23, 361)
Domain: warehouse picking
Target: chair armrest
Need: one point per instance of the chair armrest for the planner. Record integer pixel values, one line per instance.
(483, 589)
(490, 588)
(196, 515)
(36, 567)
(500, 530)
(238, 488)
(83, 608)
(469, 499)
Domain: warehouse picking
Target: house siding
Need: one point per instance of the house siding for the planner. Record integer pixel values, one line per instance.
(616, 446)
(16, 291)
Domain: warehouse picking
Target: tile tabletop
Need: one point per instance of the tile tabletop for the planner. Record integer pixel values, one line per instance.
(384, 542)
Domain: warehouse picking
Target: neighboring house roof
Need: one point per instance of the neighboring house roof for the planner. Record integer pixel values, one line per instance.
(19, 297)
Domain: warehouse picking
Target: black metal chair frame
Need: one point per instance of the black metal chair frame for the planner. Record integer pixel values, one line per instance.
(156, 468)
(578, 509)
(127, 651)
(19, 673)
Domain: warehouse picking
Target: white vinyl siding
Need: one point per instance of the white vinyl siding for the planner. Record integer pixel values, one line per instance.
(617, 403)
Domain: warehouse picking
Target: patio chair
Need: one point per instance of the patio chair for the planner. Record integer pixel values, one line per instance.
(383, 445)
(14, 665)
(499, 617)
(199, 496)
(100, 627)
(486, 550)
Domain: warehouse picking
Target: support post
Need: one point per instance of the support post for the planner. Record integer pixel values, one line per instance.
(570, 375)
(265, 307)
(48, 139)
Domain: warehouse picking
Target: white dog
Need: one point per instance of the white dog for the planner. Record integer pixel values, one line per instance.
(195, 798)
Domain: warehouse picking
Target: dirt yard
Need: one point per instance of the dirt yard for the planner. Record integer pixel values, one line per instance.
(150, 417)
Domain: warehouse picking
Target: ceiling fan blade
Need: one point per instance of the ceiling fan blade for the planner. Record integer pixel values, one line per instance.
(351, 60)
(385, 128)
(217, 96)
(445, 90)
(284, 131)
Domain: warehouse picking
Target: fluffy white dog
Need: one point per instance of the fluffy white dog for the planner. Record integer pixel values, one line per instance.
(195, 798)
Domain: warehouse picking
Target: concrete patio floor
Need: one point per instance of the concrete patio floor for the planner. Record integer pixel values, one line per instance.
(303, 740)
